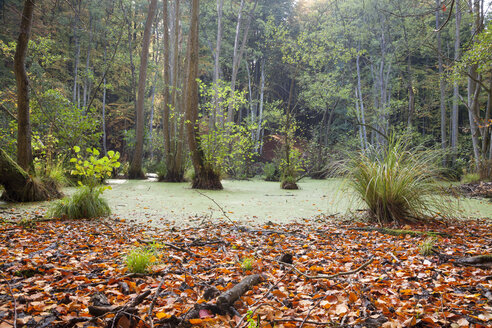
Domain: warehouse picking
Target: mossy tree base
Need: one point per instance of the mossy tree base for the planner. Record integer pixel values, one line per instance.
(20, 186)
(172, 176)
(207, 179)
(136, 175)
(289, 185)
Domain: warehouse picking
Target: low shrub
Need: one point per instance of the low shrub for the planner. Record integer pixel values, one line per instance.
(271, 172)
(470, 178)
(85, 203)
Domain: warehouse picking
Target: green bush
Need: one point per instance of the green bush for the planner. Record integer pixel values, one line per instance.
(85, 203)
(470, 178)
(139, 260)
(271, 172)
(398, 183)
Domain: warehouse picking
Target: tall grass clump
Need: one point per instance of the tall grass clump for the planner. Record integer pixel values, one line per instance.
(85, 203)
(398, 183)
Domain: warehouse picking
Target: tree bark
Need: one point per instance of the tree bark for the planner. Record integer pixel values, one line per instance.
(216, 114)
(167, 81)
(442, 85)
(205, 177)
(238, 53)
(136, 165)
(361, 102)
(455, 113)
(24, 151)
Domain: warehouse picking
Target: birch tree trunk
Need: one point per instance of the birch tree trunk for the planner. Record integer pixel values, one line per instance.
(442, 84)
(87, 64)
(236, 60)
(217, 115)
(135, 171)
(455, 113)
(361, 102)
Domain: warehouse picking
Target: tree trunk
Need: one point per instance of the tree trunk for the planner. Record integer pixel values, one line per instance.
(442, 85)
(455, 113)
(136, 165)
(238, 53)
(105, 147)
(216, 115)
(24, 151)
(205, 177)
(361, 102)
(87, 68)
(259, 142)
(167, 81)
(77, 54)
(19, 185)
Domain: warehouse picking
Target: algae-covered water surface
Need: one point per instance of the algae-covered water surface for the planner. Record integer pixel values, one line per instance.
(157, 203)
(256, 200)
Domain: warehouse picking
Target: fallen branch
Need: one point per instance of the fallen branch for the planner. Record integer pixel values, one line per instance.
(330, 276)
(154, 299)
(310, 310)
(227, 299)
(481, 261)
(220, 207)
(399, 232)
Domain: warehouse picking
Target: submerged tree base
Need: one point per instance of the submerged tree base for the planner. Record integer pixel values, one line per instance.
(20, 186)
(136, 175)
(173, 177)
(289, 185)
(207, 179)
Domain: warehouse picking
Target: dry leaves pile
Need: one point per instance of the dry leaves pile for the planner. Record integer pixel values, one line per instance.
(51, 272)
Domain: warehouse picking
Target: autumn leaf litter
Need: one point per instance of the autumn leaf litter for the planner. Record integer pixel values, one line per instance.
(54, 268)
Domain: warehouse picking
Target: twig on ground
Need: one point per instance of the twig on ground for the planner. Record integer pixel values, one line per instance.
(393, 256)
(331, 276)
(310, 310)
(13, 299)
(301, 320)
(251, 313)
(220, 207)
(154, 299)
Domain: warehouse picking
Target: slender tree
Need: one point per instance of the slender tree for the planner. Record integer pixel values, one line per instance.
(205, 177)
(136, 165)
(24, 151)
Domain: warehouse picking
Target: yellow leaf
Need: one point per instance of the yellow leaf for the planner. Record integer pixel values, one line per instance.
(162, 315)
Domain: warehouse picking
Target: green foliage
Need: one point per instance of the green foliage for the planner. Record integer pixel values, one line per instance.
(140, 260)
(94, 170)
(59, 124)
(228, 147)
(247, 264)
(271, 172)
(427, 246)
(85, 203)
(250, 320)
(52, 172)
(470, 178)
(398, 183)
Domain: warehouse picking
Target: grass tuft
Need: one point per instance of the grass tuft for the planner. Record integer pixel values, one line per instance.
(85, 203)
(398, 183)
(427, 246)
(139, 260)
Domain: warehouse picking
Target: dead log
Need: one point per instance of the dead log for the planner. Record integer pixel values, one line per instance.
(480, 261)
(19, 185)
(227, 299)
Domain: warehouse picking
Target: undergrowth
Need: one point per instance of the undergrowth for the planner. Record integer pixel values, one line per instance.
(398, 183)
(85, 203)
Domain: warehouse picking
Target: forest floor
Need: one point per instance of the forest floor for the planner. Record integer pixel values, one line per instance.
(325, 271)
(313, 273)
